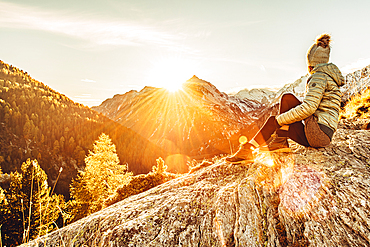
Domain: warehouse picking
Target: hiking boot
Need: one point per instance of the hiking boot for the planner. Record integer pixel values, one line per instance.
(275, 144)
(244, 154)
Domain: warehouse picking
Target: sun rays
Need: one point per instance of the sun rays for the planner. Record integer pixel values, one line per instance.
(165, 111)
(170, 73)
(176, 121)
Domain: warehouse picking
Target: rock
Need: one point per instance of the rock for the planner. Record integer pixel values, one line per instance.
(357, 124)
(310, 197)
(356, 82)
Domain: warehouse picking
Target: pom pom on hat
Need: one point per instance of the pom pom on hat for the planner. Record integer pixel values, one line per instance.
(323, 40)
(320, 51)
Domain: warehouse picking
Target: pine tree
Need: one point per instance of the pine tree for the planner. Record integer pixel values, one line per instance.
(79, 155)
(28, 209)
(61, 142)
(56, 147)
(102, 175)
(27, 129)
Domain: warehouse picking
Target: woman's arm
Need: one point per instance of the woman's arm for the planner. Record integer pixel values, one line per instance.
(316, 88)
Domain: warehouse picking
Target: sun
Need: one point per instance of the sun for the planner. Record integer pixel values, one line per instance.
(170, 73)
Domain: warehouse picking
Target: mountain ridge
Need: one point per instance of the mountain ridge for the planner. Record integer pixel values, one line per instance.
(201, 119)
(241, 114)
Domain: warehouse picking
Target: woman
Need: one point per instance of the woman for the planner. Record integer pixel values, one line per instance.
(310, 123)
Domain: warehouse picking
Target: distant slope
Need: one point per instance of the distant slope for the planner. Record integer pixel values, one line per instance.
(262, 95)
(198, 121)
(38, 122)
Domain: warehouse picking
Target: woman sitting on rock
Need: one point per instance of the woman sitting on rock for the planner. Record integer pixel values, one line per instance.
(310, 123)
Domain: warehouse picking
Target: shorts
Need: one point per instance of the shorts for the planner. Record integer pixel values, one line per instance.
(314, 134)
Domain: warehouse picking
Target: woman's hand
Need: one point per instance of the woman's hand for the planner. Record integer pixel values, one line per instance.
(277, 125)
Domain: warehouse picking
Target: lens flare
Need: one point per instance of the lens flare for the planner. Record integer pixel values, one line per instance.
(243, 140)
(301, 193)
(303, 190)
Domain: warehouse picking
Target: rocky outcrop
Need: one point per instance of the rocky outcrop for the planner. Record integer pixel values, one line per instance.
(310, 197)
(356, 82)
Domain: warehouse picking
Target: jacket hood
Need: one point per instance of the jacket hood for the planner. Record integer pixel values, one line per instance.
(331, 70)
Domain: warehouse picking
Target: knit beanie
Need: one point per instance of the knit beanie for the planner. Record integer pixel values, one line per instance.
(319, 51)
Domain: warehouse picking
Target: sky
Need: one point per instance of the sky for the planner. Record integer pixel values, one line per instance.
(92, 50)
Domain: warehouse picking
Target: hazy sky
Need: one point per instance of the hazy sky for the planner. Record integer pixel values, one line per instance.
(92, 50)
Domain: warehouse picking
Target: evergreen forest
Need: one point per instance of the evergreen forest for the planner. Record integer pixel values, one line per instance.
(37, 122)
(61, 161)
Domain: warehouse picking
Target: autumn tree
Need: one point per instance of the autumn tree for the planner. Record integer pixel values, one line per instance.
(102, 175)
(28, 209)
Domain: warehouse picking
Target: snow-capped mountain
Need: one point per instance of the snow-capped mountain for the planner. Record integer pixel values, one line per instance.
(261, 95)
(297, 88)
(268, 97)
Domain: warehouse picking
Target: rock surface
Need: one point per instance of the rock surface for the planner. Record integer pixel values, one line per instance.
(356, 82)
(310, 197)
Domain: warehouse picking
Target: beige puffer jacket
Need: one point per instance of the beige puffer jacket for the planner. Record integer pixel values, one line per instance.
(322, 98)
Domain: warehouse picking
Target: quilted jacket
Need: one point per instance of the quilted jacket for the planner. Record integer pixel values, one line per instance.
(322, 98)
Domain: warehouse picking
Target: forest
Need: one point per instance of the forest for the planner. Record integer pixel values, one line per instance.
(40, 123)
(52, 156)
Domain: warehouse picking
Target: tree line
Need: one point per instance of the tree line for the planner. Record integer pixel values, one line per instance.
(29, 208)
(37, 122)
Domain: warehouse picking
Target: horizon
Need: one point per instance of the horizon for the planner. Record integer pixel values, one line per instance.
(91, 52)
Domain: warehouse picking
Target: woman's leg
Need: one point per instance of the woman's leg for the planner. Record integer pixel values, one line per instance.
(287, 102)
(264, 133)
(295, 132)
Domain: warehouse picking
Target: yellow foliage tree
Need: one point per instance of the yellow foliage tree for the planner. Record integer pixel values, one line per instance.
(102, 175)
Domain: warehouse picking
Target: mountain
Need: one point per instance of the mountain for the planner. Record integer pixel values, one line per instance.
(200, 121)
(197, 121)
(311, 197)
(356, 82)
(39, 123)
(261, 95)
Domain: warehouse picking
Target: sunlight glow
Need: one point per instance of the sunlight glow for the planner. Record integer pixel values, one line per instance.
(265, 159)
(270, 162)
(172, 109)
(170, 74)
